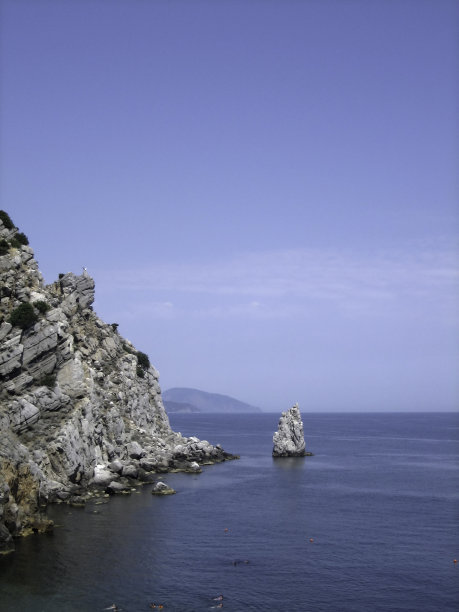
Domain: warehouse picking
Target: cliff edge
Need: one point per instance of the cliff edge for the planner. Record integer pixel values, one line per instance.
(80, 407)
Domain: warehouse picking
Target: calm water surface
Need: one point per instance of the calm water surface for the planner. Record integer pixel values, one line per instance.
(379, 499)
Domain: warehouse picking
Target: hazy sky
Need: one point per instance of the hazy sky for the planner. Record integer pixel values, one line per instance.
(265, 191)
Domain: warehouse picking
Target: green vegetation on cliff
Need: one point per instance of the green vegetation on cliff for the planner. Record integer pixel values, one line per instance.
(24, 316)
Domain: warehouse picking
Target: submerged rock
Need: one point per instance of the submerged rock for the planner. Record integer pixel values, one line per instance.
(289, 438)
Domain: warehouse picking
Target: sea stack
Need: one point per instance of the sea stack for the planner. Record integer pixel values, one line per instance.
(289, 438)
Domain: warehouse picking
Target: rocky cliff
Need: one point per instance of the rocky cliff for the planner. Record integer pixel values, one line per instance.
(80, 407)
(289, 438)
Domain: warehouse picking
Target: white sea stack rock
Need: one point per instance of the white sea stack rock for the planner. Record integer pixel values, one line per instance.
(289, 438)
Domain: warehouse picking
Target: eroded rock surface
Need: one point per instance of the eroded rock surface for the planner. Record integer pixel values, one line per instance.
(79, 408)
(289, 438)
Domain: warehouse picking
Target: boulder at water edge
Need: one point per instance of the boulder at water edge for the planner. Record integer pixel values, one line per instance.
(161, 488)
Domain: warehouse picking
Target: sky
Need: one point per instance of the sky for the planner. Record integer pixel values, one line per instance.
(265, 191)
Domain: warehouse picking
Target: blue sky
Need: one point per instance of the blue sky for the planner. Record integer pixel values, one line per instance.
(265, 192)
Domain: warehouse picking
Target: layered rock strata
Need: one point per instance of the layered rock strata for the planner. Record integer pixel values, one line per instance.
(289, 438)
(80, 407)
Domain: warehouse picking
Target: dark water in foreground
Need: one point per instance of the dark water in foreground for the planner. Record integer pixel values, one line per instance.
(380, 499)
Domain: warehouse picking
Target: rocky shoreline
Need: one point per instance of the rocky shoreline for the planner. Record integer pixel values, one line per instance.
(81, 412)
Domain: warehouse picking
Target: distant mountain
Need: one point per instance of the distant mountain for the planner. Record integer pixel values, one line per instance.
(181, 399)
(179, 407)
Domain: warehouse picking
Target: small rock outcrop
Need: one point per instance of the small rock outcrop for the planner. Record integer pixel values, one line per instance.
(80, 408)
(289, 438)
(161, 488)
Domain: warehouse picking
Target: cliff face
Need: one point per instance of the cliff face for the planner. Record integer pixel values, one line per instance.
(80, 407)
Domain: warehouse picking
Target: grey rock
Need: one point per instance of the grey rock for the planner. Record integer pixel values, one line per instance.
(102, 475)
(161, 488)
(130, 471)
(71, 378)
(144, 476)
(19, 383)
(11, 355)
(116, 466)
(23, 414)
(49, 400)
(114, 488)
(5, 329)
(42, 339)
(134, 450)
(289, 438)
(195, 467)
(78, 293)
(148, 464)
(39, 369)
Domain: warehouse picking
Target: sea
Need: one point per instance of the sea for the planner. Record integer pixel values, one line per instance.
(367, 524)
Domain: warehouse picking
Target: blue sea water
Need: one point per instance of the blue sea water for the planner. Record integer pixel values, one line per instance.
(369, 523)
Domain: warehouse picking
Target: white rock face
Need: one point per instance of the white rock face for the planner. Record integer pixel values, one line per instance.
(102, 475)
(289, 438)
(74, 398)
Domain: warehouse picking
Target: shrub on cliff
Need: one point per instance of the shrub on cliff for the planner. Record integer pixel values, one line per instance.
(143, 360)
(143, 363)
(41, 306)
(6, 220)
(48, 380)
(23, 316)
(19, 239)
(4, 247)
